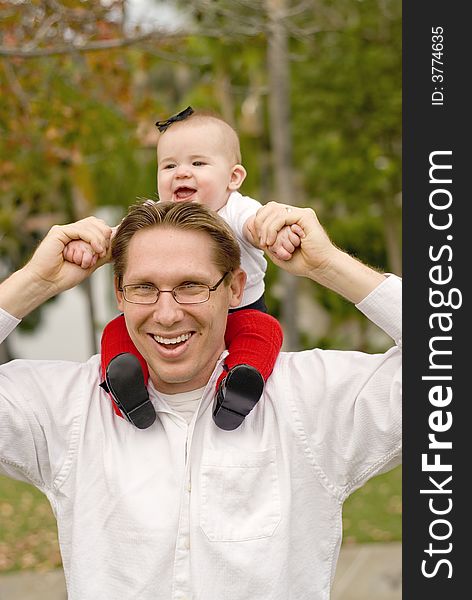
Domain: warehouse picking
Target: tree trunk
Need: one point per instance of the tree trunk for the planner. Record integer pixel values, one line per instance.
(278, 66)
(224, 94)
(82, 208)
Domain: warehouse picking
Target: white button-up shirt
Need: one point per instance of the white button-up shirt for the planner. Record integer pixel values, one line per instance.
(186, 510)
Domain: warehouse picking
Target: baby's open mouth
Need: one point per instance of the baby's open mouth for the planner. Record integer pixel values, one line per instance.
(184, 193)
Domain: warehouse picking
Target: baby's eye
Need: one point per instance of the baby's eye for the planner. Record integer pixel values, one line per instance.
(198, 163)
(169, 166)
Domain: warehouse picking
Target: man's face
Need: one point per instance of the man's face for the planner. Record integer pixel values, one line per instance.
(180, 343)
(194, 165)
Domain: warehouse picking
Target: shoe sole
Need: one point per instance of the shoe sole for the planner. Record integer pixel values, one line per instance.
(125, 381)
(243, 389)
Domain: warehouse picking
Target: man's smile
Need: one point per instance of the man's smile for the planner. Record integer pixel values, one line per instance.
(172, 346)
(175, 340)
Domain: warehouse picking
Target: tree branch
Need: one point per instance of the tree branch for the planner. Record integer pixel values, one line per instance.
(15, 87)
(73, 49)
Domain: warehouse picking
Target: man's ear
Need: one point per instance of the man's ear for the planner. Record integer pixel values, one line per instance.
(120, 301)
(238, 175)
(238, 282)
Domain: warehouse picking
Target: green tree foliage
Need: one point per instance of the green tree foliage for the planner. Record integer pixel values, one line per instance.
(346, 99)
(68, 122)
(68, 125)
(347, 127)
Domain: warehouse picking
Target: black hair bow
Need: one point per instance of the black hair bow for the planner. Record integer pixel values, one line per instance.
(163, 125)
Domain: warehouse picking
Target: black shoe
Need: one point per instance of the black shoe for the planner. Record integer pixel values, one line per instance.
(124, 380)
(237, 395)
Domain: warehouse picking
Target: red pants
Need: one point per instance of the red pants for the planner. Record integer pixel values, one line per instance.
(252, 337)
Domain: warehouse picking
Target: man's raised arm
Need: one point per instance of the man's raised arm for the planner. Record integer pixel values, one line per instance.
(316, 257)
(47, 273)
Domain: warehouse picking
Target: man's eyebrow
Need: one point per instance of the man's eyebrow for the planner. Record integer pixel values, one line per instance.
(139, 281)
(199, 279)
(193, 281)
(185, 280)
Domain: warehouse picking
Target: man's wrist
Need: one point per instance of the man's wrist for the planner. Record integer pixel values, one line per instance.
(347, 276)
(22, 292)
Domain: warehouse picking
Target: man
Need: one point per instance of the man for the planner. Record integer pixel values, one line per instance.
(184, 509)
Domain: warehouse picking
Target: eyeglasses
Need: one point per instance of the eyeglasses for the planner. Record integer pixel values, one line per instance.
(191, 293)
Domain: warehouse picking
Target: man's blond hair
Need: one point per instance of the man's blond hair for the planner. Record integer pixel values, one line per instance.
(181, 215)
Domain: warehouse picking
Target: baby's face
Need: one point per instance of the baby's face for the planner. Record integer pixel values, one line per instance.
(194, 165)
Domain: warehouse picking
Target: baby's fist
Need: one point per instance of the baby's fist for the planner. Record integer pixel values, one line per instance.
(80, 253)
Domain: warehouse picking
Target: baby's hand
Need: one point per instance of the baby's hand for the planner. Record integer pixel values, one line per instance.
(81, 253)
(287, 241)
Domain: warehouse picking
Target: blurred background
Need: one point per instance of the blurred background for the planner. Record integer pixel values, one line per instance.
(313, 88)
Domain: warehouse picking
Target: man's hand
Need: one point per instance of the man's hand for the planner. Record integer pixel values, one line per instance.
(315, 248)
(48, 264)
(316, 257)
(48, 273)
(82, 253)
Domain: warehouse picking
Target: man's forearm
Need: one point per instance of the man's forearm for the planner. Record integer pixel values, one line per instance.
(348, 277)
(316, 257)
(21, 293)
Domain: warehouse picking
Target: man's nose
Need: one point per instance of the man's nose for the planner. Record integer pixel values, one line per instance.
(166, 310)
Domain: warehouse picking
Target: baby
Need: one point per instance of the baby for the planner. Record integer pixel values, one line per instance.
(199, 160)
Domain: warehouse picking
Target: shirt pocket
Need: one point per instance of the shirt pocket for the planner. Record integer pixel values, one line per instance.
(240, 498)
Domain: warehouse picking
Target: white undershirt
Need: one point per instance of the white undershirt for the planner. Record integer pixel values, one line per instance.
(185, 403)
